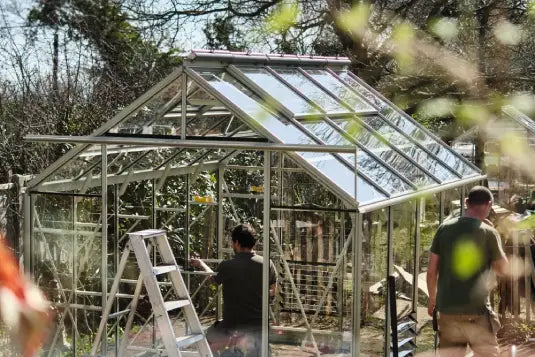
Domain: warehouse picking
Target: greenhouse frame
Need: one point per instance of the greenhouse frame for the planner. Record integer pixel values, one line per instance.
(343, 188)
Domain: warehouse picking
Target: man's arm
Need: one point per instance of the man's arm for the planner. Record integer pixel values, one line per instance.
(199, 263)
(196, 262)
(501, 266)
(272, 289)
(432, 278)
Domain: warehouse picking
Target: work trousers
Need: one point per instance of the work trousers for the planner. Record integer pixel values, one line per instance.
(456, 332)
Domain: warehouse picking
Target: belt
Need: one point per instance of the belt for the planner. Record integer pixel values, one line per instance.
(460, 317)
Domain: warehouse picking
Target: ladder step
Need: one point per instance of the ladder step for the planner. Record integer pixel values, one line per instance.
(148, 233)
(162, 269)
(408, 340)
(119, 313)
(177, 304)
(406, 325)
(187, 340)
(403, 353)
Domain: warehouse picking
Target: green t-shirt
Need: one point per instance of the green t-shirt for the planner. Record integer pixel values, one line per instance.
(466, 247)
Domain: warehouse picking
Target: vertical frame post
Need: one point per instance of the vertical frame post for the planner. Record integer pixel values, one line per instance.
(27, 248)
(104, 240)
(339, 292)
(441, 214)
(416, 254)
(356, 220)
(528, 271)
(389, 263)
(187, 238)
(74, 281)
(463, 195)
(220, 235)
(357, 285)
(183, 106)
(265, 249)
(116, 255)
(153, 225)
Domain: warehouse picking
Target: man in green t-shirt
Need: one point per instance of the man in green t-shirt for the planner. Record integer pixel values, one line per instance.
(464, 252)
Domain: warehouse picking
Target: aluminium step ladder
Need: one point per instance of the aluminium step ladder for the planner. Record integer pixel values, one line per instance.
(141, 243)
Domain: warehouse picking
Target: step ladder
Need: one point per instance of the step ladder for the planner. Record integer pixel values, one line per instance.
(141, 243)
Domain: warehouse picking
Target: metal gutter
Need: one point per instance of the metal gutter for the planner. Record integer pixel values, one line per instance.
(399, 199)
(190, 144)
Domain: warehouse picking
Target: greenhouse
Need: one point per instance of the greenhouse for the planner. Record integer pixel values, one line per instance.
(343, 188)
(507, 176)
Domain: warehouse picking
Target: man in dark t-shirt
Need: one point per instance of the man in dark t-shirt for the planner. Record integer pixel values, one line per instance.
(241, 278)
(463, 253)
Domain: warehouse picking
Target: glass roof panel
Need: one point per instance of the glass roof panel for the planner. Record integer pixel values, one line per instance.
(413, 173)
(278, 90)
(375, 170)
(78, 169)
(311, 91)
(153, 113)
(416, 153)
(327, 164)
(341, 90)
(410, 128)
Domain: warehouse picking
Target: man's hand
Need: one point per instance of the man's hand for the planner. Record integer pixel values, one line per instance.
(432, 277)
(195, 262)
(431, 307)
(199, 263)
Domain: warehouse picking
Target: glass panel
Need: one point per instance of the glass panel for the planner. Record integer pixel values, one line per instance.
(374, 169)
(125, 158)
(286, 132)
(404, 144)
(153, 114)
(429, 221)
(312, 91)
(52, 257)
(293, 186)
(404, 216)
(76, 166)
(408, 127)
(340, 90)
(66, 261)
(452, 203)
(381, 149)
(374, 273)
(278, 90)
(153, 158)
(306, 249)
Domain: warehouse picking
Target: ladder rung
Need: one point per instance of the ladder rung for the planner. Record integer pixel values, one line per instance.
(119, 313)
(162, 269)
(187, 340)
(177, 304)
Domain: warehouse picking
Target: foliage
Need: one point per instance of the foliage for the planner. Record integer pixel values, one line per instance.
(113, 66)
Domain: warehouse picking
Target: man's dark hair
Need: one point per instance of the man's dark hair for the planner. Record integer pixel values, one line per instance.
(479, 195)
(245, 235)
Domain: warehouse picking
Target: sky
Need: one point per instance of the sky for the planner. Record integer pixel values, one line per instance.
(38, 55)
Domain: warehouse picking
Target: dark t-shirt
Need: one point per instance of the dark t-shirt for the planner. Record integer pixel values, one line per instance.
(466, 247)
(241, 277)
